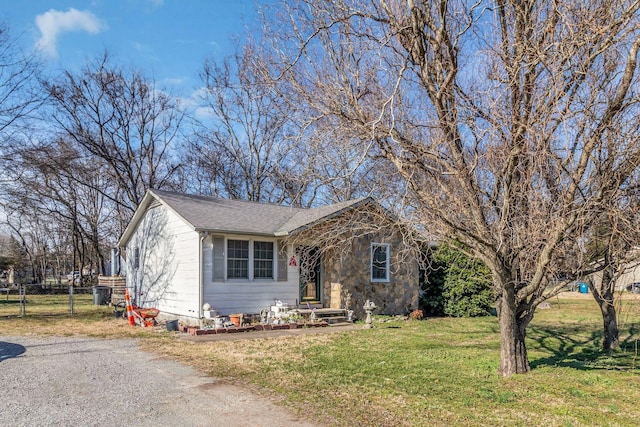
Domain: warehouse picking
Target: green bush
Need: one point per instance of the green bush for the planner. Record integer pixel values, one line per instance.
(456, 285)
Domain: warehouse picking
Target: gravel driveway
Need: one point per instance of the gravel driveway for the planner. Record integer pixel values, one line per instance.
(91, 382)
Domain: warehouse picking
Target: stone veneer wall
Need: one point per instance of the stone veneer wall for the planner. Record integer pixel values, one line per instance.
(351, 273)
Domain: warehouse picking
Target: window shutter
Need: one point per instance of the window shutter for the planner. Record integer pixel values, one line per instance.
(283, 266)
(218, 259)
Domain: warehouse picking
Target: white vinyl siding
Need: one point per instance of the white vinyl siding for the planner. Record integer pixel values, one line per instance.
(168, 272)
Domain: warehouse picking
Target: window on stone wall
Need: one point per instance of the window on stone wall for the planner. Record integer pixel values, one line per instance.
(380, 254)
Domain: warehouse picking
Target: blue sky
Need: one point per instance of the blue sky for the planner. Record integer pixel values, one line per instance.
(167, 39)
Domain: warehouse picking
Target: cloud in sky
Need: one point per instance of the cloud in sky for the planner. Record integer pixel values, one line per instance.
(54, 22)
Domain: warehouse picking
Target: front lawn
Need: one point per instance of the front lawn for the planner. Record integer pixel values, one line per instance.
(442, 371)
(413, 373)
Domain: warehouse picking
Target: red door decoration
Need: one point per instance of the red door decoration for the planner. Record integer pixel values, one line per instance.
(292, 261)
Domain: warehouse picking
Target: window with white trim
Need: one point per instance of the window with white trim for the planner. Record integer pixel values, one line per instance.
(136, 257)
(263, 260)
(380, 254)
(238, 259)
(248, 259)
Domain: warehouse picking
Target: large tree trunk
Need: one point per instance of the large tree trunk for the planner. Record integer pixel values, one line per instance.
(610, 341)
(604, 297)
(513, 352)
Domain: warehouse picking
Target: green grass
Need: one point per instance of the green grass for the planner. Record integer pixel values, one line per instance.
(416, 373)
(44, 304)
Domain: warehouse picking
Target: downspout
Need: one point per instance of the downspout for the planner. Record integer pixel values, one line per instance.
(203, 235)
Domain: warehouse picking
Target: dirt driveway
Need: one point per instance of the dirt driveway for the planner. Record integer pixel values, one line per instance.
(90, 382)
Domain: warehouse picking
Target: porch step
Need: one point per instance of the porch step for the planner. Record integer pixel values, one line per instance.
(310, 304)
(330, 315)
(335, 320)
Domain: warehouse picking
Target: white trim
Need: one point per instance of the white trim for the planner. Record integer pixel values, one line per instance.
(387, 247)
(274, 260)
(250, 267)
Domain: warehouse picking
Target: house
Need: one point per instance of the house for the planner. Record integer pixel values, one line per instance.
(182, 251)
(627, 276)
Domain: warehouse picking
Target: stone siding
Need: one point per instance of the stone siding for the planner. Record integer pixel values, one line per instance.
(350, 273)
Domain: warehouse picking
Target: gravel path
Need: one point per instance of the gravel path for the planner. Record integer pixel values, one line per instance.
(81, 381)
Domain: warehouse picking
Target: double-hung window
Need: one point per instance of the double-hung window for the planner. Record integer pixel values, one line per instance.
(380, 254)
(263, 260)
(238, 259)
(250, 259)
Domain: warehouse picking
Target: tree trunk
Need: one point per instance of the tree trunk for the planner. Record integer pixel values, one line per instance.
(604, 297)
(513, 352)
(610, 341)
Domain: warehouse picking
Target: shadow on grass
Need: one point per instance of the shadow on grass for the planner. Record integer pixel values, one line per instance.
(570, 347)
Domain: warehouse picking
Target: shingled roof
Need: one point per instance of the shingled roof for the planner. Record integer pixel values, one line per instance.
(214, 214)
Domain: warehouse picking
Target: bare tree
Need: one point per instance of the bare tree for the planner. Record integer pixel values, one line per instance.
(124, 122)
(57, 182)
(19, 86)
(243, 150)
(612, 250)
(511, 123)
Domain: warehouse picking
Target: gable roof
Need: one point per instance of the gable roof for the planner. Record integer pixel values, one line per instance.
(214, 214)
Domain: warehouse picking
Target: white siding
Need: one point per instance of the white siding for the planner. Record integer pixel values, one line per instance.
(629, 276)
(168, 273)
(247, 296)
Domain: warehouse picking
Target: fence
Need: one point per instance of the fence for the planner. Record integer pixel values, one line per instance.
(53, 299)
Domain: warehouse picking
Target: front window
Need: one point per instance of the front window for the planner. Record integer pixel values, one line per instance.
(263, 260)
(379, 262)
(238, 259)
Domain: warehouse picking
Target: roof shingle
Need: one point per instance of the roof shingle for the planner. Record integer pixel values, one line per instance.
(237, 216)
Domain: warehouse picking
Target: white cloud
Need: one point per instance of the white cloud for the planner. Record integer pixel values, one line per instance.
(54, 23)
(173, 81)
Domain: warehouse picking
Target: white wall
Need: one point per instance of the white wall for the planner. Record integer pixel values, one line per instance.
(168, 274)
(630, 275)
(247, 296)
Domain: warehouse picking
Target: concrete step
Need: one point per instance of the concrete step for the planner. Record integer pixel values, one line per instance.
(333, 320)
(341, 324)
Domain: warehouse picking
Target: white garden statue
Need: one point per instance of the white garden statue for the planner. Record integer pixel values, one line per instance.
(368, 306)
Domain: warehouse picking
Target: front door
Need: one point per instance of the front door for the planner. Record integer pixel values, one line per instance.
(310, 280)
